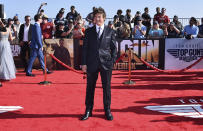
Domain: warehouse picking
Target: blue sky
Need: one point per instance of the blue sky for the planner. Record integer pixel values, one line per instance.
(182, 8)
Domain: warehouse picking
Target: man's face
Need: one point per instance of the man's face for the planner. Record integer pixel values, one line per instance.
(40, 20)
(156, 26)
(139, 22)
(61, 15)
(70, 25)
(163, 11)
(175, 19)
(111, 26)
(72, 10)
(171, 27)
(16, 21)
(79, 25)
(128, 12)
(61, 43)
(27, 20)
(61, 27)
(11, 22)
(45, 21)
(146, 10)
(192, 22)
(99, 19)
(158, 10)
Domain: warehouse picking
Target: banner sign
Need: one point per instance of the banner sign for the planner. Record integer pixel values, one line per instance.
(181, 53)
(63, 51)
(146, 49)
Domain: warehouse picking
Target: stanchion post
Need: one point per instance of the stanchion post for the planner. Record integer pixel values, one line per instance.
(45, 82)
(129, 81)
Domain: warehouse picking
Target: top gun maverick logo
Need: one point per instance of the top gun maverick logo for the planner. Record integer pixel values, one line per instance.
(186, 52)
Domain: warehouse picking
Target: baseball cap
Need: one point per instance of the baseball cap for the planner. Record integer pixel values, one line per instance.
(172, 23)
(155, 23)
(44, 17)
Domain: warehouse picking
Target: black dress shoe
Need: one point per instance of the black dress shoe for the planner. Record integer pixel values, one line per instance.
(48, 72)
(86, 115)
(31, 75)
(108, 115)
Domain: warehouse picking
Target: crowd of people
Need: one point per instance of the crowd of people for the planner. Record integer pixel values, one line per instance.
(73, 26)
(140, 26)
(159, 26)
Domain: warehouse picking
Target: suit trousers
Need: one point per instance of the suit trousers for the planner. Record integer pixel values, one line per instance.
(35, 53)
(106, 85)
(25, 48)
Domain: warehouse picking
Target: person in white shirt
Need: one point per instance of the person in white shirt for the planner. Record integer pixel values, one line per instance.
(25, 34)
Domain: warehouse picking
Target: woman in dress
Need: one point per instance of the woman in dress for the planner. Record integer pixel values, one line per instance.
(7, 66)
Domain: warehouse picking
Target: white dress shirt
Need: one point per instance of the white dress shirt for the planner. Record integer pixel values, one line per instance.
(101, 29)
(26, 31)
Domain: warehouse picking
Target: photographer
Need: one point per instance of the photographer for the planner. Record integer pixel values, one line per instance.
(146, 19)
(40, 11)
(200, 34)
(69, 28)
(155, 31)
(89, 18)
(73, 14)
(139, 30)
(172, 31)
(47, 28)
(60, 32)
(116, 22)
(128, 17)
(79, 31)
(134, 20)
(12, 28)
(16, 24)
(191, 31)
(119, 15)
(60, 18)
(124, 31)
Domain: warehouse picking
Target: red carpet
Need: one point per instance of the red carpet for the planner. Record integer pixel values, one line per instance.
(58, 107)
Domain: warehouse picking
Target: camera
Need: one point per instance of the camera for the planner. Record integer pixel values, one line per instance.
(188, 37)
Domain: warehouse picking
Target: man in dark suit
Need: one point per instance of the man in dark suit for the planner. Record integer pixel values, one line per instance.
(25, 35)
(99, 55)
(36, 46)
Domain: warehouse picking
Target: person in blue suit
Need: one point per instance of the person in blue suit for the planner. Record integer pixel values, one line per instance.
(36, 46)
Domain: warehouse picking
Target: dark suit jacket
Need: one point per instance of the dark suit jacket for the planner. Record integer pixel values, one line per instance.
(99, 52)
(21, 32)
(36, 41)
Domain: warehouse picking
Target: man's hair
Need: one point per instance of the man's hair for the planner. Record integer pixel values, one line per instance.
(146, 8)
(119, 11)
(99, 11)
(164, 9)
(27, 16)
(37, 17)
(72, 7)
(128, 10)
(193, 19)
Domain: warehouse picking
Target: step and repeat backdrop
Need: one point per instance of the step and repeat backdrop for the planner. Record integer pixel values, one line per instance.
(168, 54)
